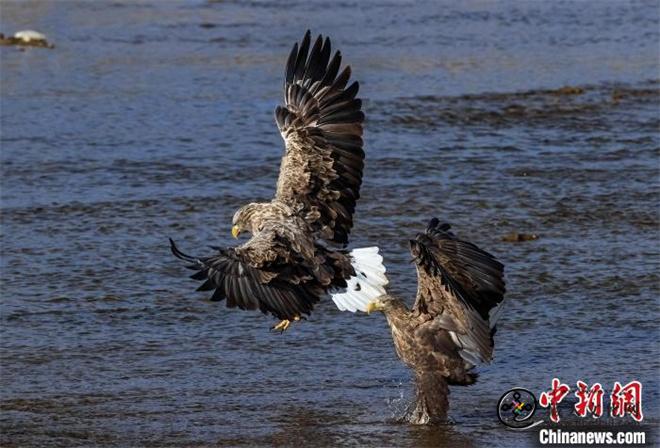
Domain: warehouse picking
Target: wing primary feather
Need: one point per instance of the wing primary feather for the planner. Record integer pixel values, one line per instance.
(333, 69)
(341, 96)
(207, 285)
(291, 65)
(302, 57)
(218, 295)
(341, 80)
(200, 275)
(323, 61)
(313, 70)
(177, 253)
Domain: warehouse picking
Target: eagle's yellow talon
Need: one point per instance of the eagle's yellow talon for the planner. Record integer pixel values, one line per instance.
(284, 324)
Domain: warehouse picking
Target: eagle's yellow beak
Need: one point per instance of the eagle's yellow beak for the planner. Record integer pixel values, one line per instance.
(374, 305)
(235, 231)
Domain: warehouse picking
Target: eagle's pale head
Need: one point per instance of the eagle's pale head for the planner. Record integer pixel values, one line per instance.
(245, 219)
(251, 217)
(386, 304)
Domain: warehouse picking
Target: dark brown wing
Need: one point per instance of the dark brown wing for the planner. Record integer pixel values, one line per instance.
(249, 288)
(460, 286)
(321, 124)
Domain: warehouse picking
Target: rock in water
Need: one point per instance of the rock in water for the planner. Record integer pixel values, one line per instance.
(26, 38)
(30, 35)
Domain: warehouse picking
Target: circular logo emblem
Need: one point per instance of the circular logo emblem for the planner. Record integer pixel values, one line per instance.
(516, 408)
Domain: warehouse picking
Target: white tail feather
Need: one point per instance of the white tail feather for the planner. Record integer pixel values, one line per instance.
(368, 283)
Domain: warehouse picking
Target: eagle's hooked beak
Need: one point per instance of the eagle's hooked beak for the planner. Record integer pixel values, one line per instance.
(374, 305)
(235, 231)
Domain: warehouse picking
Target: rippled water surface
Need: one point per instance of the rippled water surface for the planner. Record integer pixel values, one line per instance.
(154, 119)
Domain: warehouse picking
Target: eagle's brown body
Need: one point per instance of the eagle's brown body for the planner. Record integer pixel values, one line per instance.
(424, 346)
(451, 325)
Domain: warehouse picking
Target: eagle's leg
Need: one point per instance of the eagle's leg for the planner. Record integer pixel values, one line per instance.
(431, 399)
(284, 324)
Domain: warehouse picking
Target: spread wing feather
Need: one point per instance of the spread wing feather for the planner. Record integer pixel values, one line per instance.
(459, 285)
(321, 123)
(233, 279)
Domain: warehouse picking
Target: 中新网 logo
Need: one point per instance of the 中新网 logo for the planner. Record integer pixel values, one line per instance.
(516, 408)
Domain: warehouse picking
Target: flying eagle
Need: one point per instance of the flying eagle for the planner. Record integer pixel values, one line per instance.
(451, 326)
(297, 251)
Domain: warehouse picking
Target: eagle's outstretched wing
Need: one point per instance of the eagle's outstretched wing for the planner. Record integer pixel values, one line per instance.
(321, 123)
(460, 288)
(233, 278)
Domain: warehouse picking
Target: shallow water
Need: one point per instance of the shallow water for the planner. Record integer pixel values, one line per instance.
(154, 119)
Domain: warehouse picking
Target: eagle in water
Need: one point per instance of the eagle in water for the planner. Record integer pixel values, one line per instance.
(460, 290)
(297, 250)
